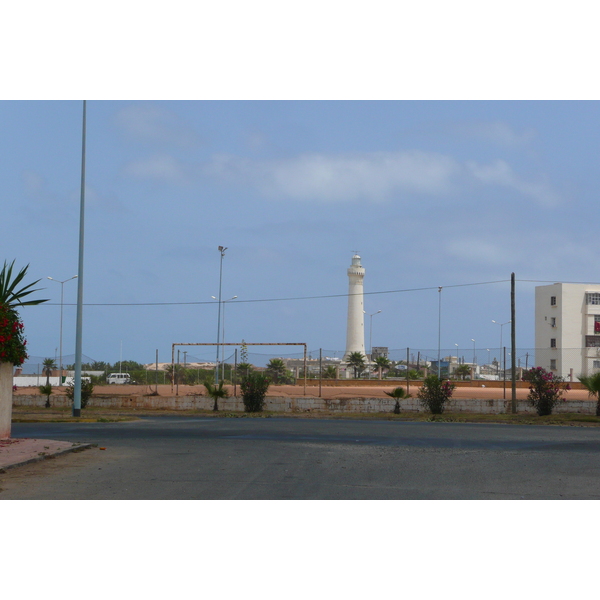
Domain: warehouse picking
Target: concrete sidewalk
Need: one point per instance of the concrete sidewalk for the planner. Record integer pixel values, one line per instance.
(15, 452)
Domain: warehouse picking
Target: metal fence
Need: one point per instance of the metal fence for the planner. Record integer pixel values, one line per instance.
(484, 363)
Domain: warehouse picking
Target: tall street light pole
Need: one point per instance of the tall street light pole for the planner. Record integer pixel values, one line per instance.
(62, 287)
(474, 353)
(501, 326)
(371, 336)
(79, 321)
(222, 251)
(439, 330)
(223, 335)
(371, 329)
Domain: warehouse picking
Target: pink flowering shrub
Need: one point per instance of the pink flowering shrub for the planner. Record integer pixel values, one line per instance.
(435, 393)
(545, 389)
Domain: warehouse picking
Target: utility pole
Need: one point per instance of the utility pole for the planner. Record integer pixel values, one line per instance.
(513, 371)
(222, 252)
(79, 322)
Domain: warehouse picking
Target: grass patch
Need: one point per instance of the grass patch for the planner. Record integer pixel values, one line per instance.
(28, 414)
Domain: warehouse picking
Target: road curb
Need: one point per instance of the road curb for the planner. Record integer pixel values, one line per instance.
(77, 448)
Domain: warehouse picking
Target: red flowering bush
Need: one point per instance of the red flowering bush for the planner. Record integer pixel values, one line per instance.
(545, 389)
(12, 341)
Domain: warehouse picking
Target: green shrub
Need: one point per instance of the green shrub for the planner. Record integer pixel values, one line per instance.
(254, 388)
(87, 389)
(435, 393)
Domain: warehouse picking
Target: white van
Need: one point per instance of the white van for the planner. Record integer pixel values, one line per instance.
(120, 378)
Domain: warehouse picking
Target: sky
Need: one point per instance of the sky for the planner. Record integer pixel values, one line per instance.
(430, 193)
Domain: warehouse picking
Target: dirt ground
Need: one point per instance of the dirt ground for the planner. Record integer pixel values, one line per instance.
(293, 391)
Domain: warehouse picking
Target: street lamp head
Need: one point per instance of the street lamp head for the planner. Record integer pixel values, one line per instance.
(59, 281)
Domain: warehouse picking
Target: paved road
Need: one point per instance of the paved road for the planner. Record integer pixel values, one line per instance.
(278, 458)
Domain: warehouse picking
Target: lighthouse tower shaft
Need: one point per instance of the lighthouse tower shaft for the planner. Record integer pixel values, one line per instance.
(355, 332)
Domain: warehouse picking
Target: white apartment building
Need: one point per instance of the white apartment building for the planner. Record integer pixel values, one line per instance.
(567, 328)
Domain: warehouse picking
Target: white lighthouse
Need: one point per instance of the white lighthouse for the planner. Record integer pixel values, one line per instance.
(355, 332)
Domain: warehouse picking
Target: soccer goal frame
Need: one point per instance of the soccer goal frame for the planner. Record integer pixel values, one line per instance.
(234, 344)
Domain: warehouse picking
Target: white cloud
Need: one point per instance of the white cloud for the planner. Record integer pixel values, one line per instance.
(375, 176)
(496, 132)
(500, 173)
(341, 178)
(156, 167)
(148, 122)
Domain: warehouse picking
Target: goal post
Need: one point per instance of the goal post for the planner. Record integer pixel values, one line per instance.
(234, 344)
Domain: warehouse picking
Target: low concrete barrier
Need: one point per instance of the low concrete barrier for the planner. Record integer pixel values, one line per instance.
(302, 404)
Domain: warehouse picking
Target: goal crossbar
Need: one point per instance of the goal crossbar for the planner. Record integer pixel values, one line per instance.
(234, 344)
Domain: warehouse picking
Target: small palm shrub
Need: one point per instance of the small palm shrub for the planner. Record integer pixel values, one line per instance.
(592, 385)
(435, 394)
(545, 390)
(215, 392)
(254, 388)
(46, 390)
(398, 394)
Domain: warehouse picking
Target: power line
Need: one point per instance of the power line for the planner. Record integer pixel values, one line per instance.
(198, 303)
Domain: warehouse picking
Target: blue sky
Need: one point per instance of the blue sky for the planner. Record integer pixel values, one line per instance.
(431, 193)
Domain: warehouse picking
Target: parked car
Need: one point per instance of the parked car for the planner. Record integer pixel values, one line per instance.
(119, 378)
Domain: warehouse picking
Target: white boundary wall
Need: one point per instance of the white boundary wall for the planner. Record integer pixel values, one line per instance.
(303, 404)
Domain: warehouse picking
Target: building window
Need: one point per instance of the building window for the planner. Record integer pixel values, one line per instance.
(596, 323)
(552, 342)
(592, 341)
(553, 322)
(553, 364)
(593, 298)
(552, 300)
(596, 364)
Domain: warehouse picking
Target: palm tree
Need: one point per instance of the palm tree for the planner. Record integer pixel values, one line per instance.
(12, 346)
(383, 363)
(11, 297)
(276, 370)
(463, 371)
(178, 374)
(49, 366)
(244, 368)
(592, 385)
(329, 372)
(356, 360)
(215, 392)
(398, 394)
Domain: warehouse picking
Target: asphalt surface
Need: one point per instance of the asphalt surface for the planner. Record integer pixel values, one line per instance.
(277, 458)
